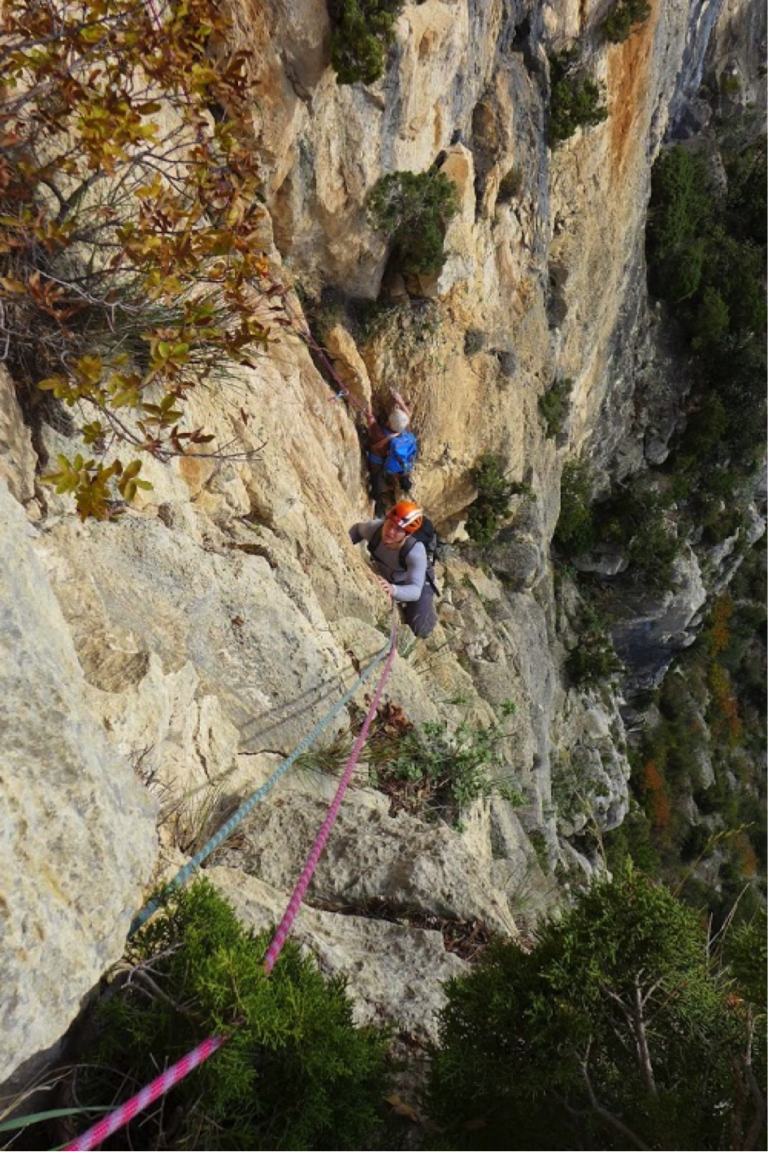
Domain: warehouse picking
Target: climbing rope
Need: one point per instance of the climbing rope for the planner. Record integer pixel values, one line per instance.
(226, 829)
(309, 868)
(166, 1080)
(162, 1084)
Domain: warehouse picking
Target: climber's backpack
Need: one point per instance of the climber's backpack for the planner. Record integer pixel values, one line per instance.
(401, 453)
(426, 535)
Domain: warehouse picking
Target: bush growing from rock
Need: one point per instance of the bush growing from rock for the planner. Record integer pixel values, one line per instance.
(576, 99)
(494, 492)
(295, 1072)
(363, 31)
(474, 341)
(555, 406)
(623, 17)
(636, 520)
(575, 533)
(553, 1047)
(594, 658)
(131, 265)
(680, 203)
(413, 210)
(434, 773)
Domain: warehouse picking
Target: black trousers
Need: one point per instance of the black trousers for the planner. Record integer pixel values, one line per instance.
(420, 615)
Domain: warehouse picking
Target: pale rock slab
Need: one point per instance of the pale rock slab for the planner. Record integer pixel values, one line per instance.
(77, 830)
(369, 855)
(17, 456)
(395, 973)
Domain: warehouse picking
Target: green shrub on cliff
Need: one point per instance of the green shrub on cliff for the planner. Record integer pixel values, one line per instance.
(623, 17)
(615, 1030)
(575, 533)
(363, 31)
(494, 492)
(576, 99)
(295, 1072)
(414, 209)
(555, 406)
(434, 773)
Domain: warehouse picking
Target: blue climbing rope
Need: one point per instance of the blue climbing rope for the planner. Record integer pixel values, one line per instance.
(184, 873)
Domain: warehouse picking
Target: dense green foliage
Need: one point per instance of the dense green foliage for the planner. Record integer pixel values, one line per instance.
(615, 1031)
(413, 210)
(623, 17)
(706, 249)
(363, 31)
(576, 99)
(575, 533)
(698, 775)
(555, 406)
(295, 1073)
(635, 520)
(491, 506)
(595, 657)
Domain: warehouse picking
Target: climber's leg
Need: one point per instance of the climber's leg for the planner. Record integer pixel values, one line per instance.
(420, 615)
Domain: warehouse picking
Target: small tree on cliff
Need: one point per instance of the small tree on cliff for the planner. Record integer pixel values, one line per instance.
(615, 1031)
(363, 31)
(414, 210)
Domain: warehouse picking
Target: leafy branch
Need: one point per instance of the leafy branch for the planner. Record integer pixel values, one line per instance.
(131, 270)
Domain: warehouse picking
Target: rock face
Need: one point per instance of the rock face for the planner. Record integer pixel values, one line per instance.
(660, 626)
(17, 456)
(394, 973)
(370, 855)
(78, 829)
(201, 635)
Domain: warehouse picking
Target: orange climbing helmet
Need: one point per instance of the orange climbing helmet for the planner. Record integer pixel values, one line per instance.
(407, 516)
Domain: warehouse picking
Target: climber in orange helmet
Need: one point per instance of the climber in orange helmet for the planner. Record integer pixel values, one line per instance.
(401, 563)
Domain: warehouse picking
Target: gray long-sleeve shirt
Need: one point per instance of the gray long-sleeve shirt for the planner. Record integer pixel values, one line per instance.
(407, 584)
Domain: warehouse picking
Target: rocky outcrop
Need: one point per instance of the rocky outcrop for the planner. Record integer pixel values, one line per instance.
(78, 829)
(394, 973)
(370, 856)
(659, 626)
(18, 459)
(203, 633)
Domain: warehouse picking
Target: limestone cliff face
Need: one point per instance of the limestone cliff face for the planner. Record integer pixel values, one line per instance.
(201, 635)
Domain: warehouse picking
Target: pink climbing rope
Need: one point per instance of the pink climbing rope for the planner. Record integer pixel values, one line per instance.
(299, 891)
(166, 1080)
(162, 1084)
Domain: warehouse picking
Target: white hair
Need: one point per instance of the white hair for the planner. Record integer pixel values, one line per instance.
(398, 421)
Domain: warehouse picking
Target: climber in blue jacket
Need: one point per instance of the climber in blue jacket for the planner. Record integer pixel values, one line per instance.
(392, 452)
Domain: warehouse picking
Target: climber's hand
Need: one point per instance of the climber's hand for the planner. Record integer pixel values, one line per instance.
(386, 587)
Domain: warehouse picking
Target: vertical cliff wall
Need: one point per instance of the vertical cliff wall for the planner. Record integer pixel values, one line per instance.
(197, 638)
